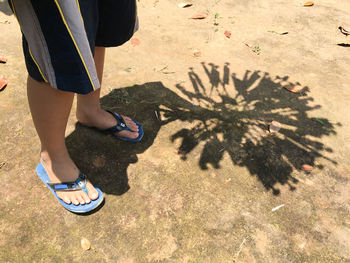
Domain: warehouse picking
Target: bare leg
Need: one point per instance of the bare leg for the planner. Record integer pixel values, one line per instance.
(50, 111)
(89, 111)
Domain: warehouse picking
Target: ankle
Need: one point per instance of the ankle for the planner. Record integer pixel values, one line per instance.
(84, 113)
(54, 157)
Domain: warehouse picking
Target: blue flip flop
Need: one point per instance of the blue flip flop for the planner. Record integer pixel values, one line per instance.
(79, 184)
(121, 126)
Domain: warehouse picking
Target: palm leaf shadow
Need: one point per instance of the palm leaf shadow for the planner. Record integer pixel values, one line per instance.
(238, 124)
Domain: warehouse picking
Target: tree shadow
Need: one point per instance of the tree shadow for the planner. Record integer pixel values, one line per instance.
(223, 118)
(5, 8)
(235, 119)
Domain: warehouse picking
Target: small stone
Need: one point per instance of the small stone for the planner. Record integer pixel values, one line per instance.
(306, 168)
(197, 53)
(227, 34)
(85, 244)
(275, 126)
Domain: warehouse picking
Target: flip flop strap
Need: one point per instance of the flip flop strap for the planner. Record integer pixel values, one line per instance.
(121, 125)
(79, 184)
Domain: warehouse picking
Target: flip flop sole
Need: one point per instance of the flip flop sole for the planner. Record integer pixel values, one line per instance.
(40, 170)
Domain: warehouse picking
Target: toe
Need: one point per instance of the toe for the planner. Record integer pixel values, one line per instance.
(75, 201)
(128, 134)
(131, 124)
(80, 198)
(86, 198)
(67, 200)
(64, 197)
(93, 194)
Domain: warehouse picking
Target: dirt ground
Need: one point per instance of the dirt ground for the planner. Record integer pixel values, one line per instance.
(203, 184)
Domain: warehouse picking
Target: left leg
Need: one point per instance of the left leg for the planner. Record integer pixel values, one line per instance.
(89, 111)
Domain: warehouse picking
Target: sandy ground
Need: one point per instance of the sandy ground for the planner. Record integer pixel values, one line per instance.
(202, 184)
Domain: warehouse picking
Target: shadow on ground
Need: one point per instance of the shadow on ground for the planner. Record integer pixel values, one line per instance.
(232, 115)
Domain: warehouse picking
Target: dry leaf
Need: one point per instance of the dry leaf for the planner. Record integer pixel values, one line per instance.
(227, 34)
(199, 16)
(274, 126)
(135, 41)
(344, 29)
(184, 4)
(310, 3)
(85, 244)
(248, 45)
(3, 59)
(295, 88)
(197, 53)
(306, 168)
(3, 83)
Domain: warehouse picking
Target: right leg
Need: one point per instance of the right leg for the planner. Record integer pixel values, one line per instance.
(50, 111)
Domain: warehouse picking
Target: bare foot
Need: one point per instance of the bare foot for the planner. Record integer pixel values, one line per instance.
(103, 120)
(64, 170)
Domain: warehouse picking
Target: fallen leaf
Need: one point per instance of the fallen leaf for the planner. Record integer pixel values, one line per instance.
(135, 41)
(344, 29)
(85, 244)
(248, 45)
(227, 34)
(3, 83)
(295, 88)
(197, 53)
(274, 126)
(306, 168)
(199, 16)
(3, 59)
(184, 4)
(310, 3)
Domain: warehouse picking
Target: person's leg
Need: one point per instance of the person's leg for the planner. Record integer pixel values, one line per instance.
(50, 111)
(89, 111)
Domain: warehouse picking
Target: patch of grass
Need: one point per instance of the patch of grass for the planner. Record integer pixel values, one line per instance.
(256, 49)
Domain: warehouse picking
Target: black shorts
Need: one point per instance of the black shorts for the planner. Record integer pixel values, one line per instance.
(59, 37)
